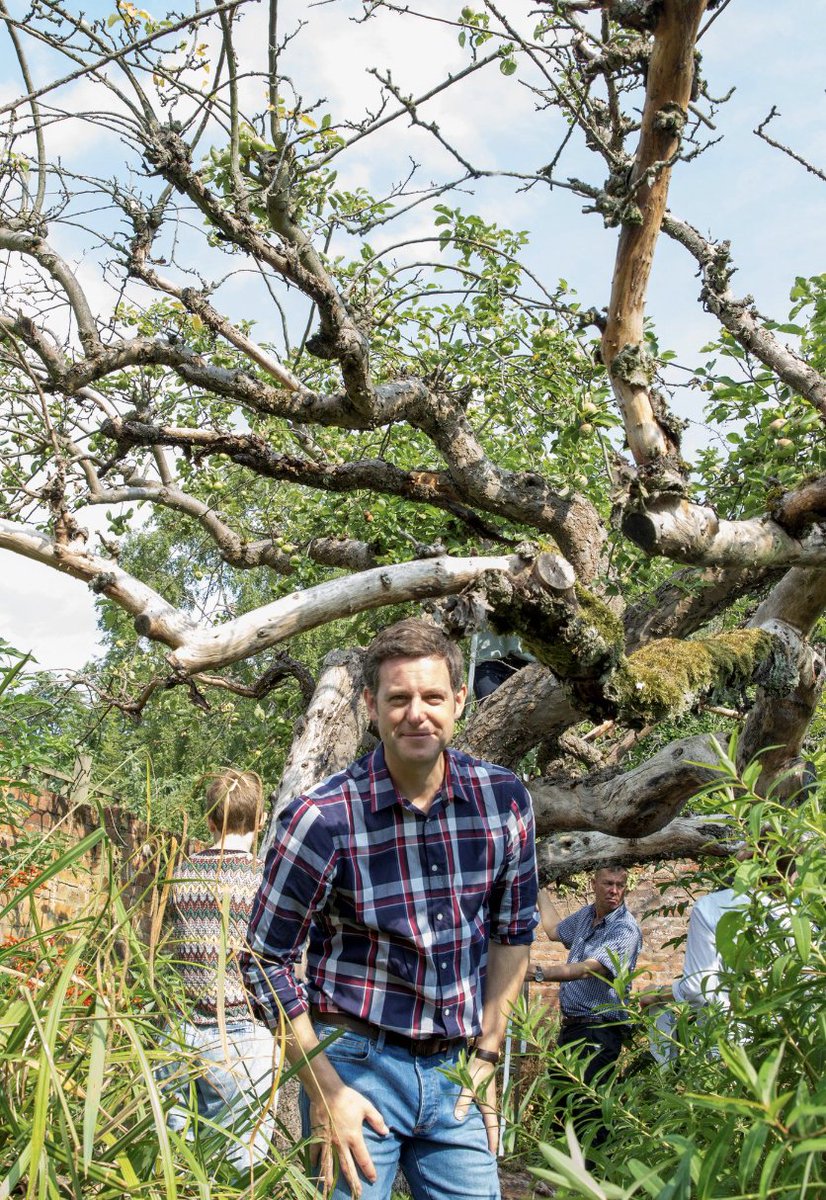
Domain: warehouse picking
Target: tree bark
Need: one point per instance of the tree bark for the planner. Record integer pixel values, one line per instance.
(685, 837)
(631, 805)
(530, 706)
(329, 735)
(300, 611)
(157, 618)
(690, 533)
(670, 77)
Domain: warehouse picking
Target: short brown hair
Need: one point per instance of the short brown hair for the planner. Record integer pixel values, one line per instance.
(412, 638)
(234, 801)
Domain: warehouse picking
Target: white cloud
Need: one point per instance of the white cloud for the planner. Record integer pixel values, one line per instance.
(48, 614)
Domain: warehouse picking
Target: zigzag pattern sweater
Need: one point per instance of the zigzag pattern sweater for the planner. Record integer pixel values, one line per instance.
(210, 907)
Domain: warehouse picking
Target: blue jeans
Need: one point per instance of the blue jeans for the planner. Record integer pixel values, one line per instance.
(232, 1093)
(441, 1157)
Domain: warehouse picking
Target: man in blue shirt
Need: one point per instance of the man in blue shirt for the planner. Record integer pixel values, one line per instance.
(602, 937)
(413, 875)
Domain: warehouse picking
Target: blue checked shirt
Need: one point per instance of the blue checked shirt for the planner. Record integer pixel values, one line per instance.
(399, 905)
(616, 937)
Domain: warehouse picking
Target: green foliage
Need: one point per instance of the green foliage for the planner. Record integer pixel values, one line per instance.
(741, 1112)
(773, 439)
(33, 735)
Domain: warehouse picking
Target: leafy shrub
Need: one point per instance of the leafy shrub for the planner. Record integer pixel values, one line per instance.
(741, 1112)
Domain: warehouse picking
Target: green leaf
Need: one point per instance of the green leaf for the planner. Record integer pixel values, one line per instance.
(94, 1080)
(752, 1148)
(802, 933)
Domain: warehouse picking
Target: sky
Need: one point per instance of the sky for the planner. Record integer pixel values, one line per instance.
(770, 208)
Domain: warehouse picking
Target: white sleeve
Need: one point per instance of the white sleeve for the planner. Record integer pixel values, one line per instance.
(700, 980)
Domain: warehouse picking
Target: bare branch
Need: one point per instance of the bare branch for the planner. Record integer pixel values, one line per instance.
(566, 854)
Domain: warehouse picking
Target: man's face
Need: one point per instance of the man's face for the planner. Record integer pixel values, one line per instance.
(415, 709)
(609, 890)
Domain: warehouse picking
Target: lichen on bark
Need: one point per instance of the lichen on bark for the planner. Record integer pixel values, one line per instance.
(633, 365)
(666, 678)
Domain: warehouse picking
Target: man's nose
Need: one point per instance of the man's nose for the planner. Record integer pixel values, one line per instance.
(415, 710)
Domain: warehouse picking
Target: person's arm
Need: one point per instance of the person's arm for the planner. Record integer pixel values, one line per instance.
(653, 996)
(549, 915)
(298, 880)
(564, 972)
(337, 1112)
(506, 970)
(513, 921)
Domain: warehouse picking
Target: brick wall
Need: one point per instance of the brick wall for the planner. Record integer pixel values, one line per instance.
(62, 823)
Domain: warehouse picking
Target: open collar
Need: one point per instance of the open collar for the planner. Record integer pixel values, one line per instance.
(384, 793)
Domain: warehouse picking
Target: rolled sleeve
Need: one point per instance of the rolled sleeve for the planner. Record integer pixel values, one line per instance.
(297, 879)
(514, 916)
(622, 948)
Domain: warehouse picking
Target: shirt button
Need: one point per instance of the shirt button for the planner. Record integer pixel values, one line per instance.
(440, 916)
(435, 867)
(444, 966)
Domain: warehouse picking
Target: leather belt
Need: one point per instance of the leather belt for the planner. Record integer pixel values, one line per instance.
(418, 1047)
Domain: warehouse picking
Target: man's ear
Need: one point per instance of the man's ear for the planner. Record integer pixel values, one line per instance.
(370, 704)
(460, 697)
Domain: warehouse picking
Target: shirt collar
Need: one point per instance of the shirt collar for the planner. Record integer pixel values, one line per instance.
(609, 918)
(383, 791)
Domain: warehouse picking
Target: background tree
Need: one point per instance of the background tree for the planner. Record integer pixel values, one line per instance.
(228, 332)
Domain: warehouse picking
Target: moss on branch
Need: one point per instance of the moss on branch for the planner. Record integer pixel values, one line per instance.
(667, 677)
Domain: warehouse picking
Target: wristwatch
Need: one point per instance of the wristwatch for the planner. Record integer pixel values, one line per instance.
(488, 1056)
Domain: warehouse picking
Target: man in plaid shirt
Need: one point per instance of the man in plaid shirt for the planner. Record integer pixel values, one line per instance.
(413, 875)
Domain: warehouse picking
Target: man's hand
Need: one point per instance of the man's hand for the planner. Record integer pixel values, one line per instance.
(484, 1095)
(337, 1112)
(336, 1121)
(650, 997)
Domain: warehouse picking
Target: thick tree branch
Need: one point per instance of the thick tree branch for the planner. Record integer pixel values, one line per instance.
(300, 611)
(157, 618)
(634, 804)
(330, 733)
(673, 527)
(668, 90)
(566, 854)
(249, 450)
(740, 316)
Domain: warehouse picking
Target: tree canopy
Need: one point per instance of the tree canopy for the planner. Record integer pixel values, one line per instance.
(335, 399)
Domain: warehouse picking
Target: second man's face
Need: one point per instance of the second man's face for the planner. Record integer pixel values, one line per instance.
(415, 709)
(609, 890)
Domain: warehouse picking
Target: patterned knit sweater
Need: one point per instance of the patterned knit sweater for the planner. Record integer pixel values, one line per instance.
(210, 908)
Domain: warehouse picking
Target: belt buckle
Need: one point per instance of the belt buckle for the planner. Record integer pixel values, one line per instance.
(427, 1047)
(422, 1047)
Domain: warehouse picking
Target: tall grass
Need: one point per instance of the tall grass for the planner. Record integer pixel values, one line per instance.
(83, 1015)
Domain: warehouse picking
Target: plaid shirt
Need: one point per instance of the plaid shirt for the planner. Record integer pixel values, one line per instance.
(616, 937)
(399, 905)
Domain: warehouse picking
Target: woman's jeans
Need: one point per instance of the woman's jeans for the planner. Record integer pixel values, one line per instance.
(442, 1158)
